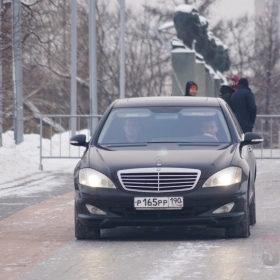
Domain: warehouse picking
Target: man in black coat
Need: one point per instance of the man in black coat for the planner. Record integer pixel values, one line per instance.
(226, 93)
(243, 105)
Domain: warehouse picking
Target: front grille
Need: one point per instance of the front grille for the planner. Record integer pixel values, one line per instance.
(163, 180)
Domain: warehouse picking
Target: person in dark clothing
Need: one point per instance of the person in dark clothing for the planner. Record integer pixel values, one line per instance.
(191, 89)
(226, 92)
(243, 105)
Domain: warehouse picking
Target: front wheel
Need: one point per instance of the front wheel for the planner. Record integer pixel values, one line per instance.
(82, 232)
(242, 229)
(252, 209)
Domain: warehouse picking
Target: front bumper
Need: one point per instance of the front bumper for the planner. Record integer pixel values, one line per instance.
(198, 208)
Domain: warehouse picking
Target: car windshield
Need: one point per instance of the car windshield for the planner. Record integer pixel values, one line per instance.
(165, 125)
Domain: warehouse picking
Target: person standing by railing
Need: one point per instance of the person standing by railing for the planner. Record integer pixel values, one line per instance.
(244, 106)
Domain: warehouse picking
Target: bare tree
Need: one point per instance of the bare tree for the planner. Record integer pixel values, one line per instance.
(266, 66)
(46, 56)
(46, 59)
(35, 15)
(254, 50)
(240, 41)
(6, 62)
(267, 71)
(147, 64)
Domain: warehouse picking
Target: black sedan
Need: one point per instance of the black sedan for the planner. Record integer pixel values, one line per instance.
(166, 161)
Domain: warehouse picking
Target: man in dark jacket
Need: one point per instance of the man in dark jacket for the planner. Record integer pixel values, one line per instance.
(243, 105)
(191, 88)
(226, 92)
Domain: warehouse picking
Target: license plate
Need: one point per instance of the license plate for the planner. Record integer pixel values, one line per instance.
(158, 203)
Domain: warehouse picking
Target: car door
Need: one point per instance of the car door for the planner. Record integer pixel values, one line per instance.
(247, 153)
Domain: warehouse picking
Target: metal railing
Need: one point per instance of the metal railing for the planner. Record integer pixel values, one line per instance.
(268, 126)
(56, 129)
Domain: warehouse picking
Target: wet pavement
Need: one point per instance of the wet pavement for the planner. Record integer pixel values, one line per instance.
(37, 242)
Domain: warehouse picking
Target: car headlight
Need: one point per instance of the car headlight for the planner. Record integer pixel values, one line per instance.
(92, 178)
(225, 177)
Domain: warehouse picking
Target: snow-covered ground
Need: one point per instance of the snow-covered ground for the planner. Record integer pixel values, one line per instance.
(23, 160)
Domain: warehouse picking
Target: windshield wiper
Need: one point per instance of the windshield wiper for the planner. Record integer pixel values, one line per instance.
(162, 142)
(124, 145)
(200, 144)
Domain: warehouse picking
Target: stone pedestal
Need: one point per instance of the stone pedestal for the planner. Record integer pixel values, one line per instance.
(209, 85)
(200, 78)
(217, 83)
(189, 66)
(183, 70)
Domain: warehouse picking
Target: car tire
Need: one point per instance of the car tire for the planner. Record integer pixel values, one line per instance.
(82, 232)
(242, 229)
(252, 210)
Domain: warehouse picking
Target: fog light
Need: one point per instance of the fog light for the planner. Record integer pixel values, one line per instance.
(94, 210)
(224, 209)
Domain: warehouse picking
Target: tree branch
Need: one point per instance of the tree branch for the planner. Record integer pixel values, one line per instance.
(80, 81)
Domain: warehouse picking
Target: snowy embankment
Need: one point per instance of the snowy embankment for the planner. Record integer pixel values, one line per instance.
(19, 161)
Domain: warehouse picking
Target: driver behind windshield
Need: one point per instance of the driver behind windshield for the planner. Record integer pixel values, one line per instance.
(210, 128)
(132, 129)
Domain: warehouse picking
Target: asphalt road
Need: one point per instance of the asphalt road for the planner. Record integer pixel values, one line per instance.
(37, 239)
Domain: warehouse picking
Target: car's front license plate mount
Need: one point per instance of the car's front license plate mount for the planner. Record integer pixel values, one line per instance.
(159, 203)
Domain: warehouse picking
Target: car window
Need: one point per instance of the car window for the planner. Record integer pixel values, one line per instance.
(165, 124)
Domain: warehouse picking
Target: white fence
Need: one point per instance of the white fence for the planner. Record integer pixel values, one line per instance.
(55, 132)
(268, 126)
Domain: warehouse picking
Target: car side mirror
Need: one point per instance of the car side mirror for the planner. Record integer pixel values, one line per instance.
(252, 138)
(79, 140)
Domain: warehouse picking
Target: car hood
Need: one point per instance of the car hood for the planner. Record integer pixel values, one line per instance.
(208, 161)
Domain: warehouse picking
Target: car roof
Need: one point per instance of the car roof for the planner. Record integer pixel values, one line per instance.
(167, 101)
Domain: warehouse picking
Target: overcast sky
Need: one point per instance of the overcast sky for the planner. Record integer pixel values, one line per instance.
(234, 8)
(224, 9)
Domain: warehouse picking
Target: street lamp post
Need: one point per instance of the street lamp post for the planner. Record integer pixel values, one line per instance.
(122, 48)
(73, 65)
(93, 104)
(17, 73)
(92, 65)
(1, 80)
